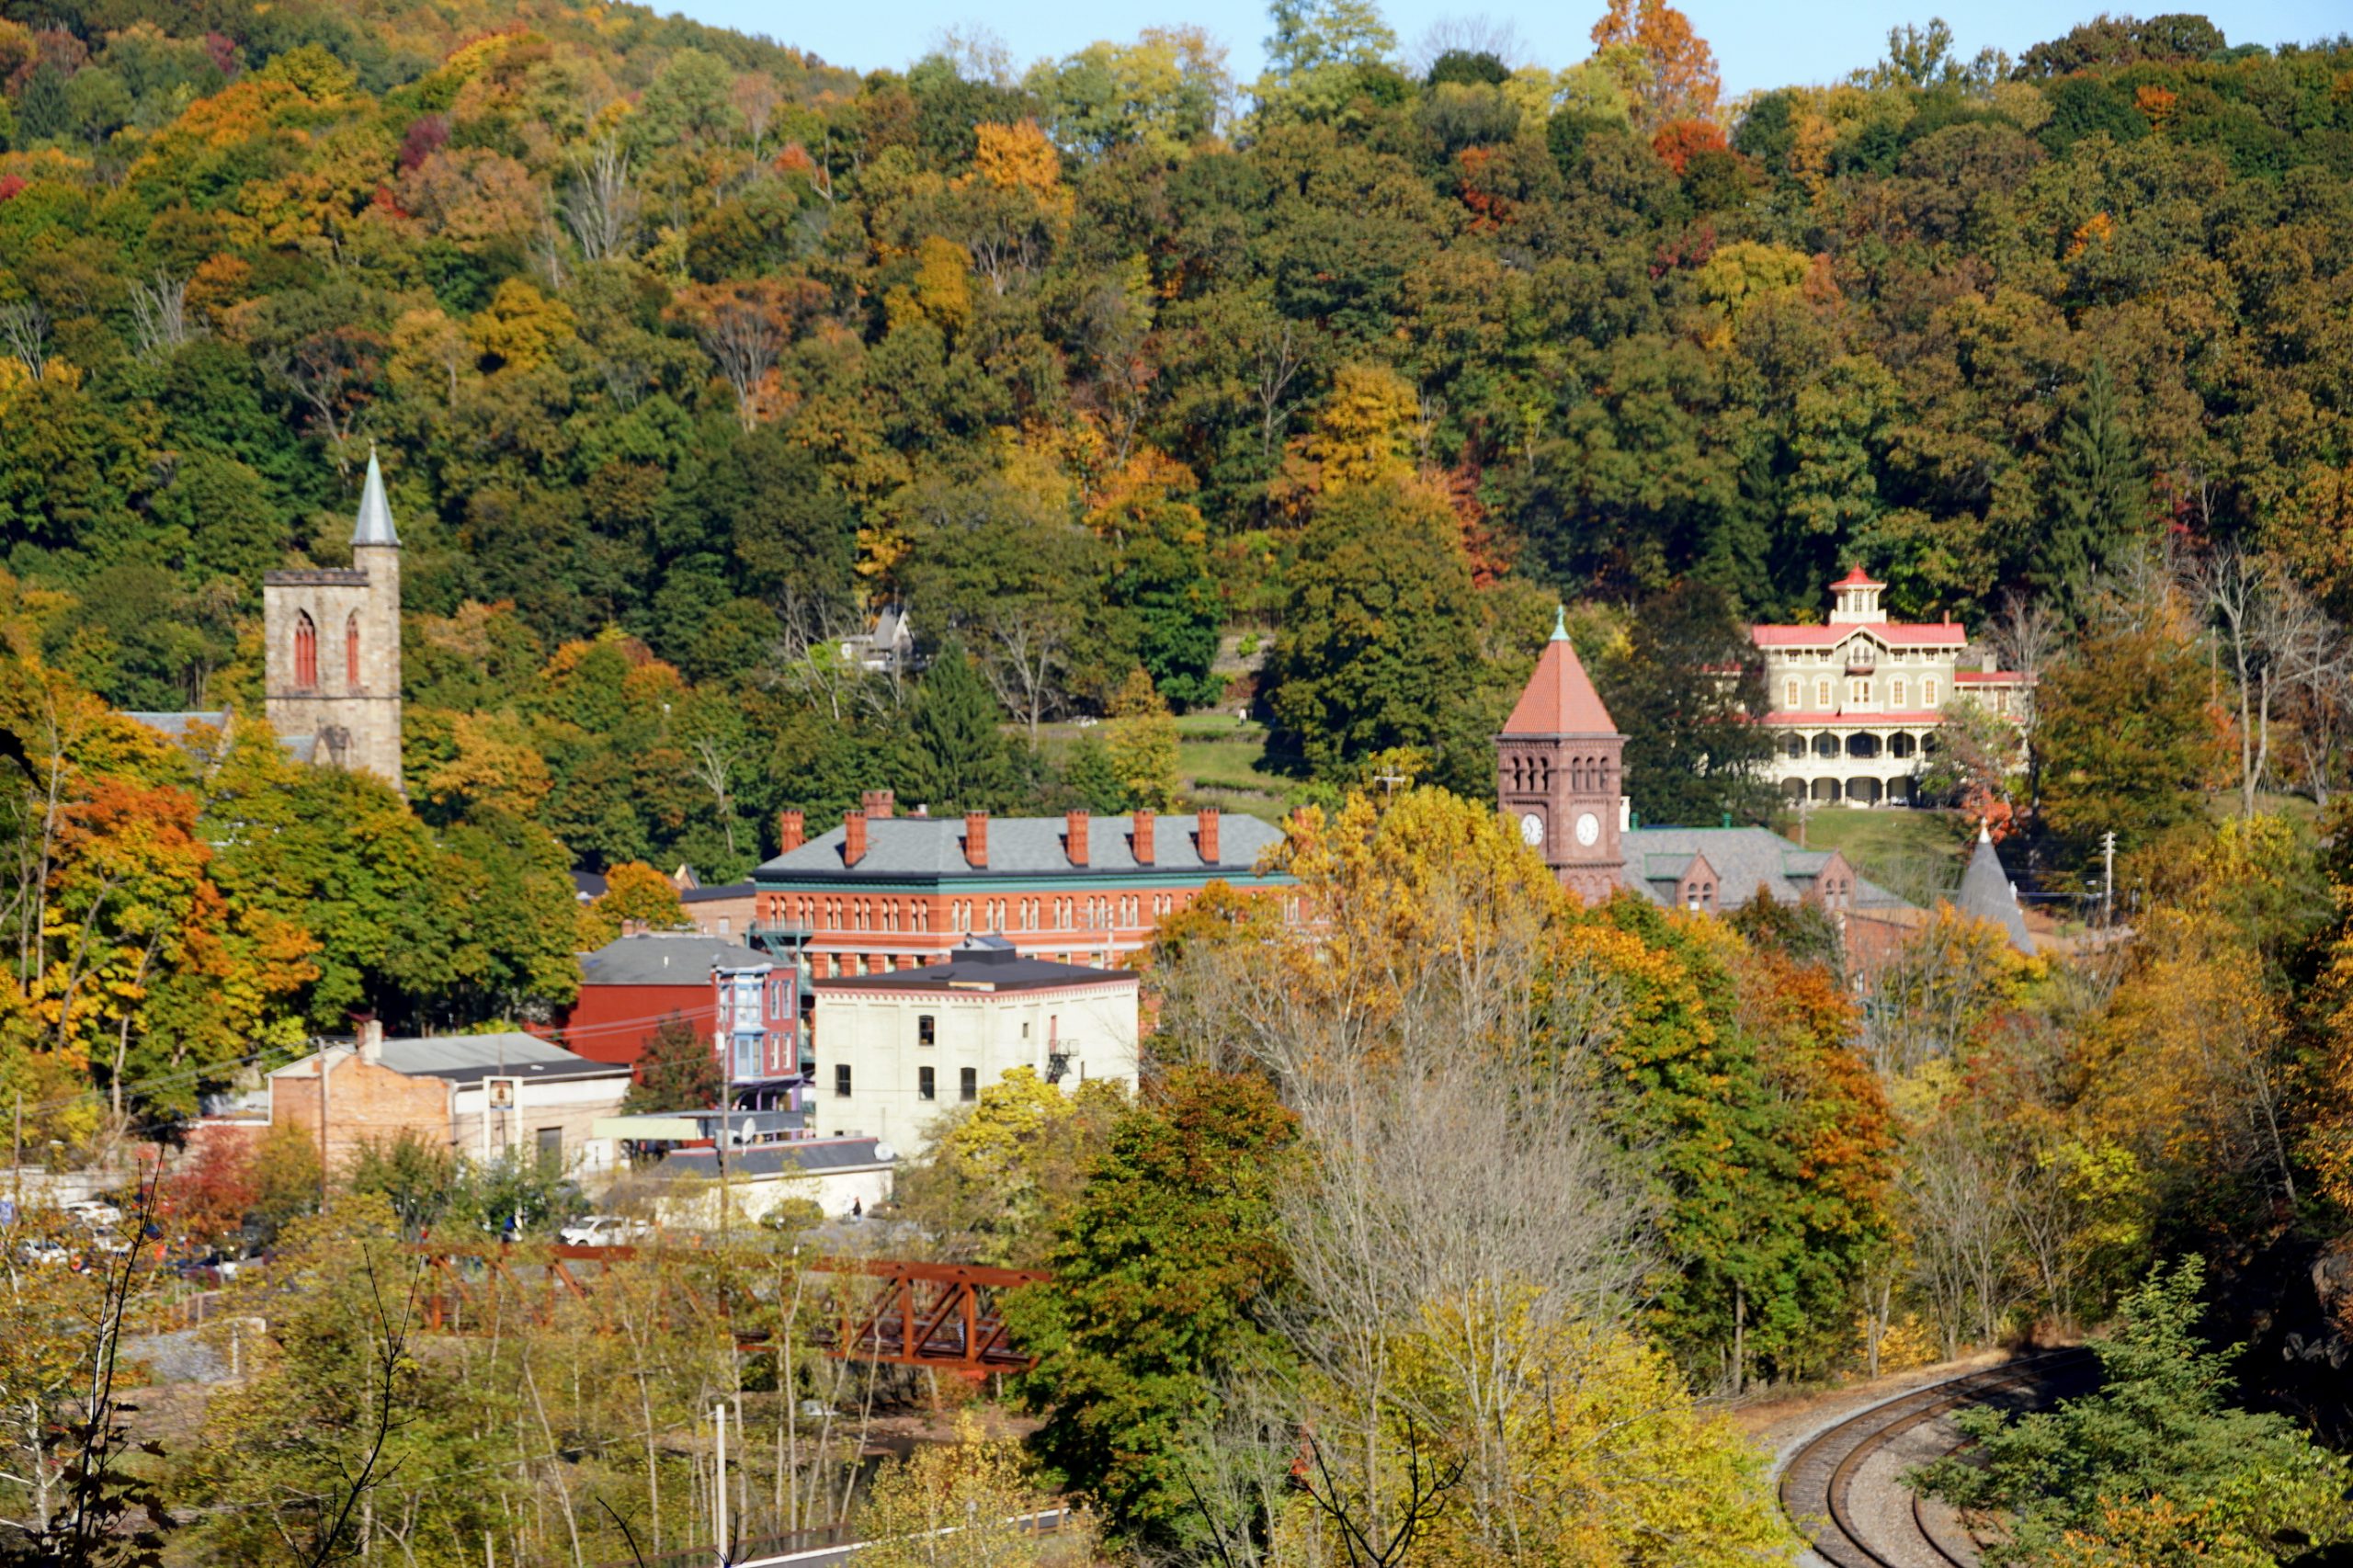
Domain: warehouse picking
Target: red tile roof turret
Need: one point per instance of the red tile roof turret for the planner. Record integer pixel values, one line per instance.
(1560, 698)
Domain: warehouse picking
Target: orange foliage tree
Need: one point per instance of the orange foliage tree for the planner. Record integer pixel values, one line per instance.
(1667, 69)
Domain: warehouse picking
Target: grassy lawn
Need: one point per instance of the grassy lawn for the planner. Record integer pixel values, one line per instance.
(1917, 855)
(1217, 757)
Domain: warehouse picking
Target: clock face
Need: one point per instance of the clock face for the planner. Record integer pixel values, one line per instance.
(1588, 828)
(1531, 830)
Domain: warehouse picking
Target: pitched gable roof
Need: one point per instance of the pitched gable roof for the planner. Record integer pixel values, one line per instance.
(1743, 859)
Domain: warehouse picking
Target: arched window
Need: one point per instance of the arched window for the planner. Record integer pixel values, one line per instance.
(306, 651)
(351, 650)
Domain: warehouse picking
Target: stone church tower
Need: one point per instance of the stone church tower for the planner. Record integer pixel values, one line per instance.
(333, 669)
(1558, 773)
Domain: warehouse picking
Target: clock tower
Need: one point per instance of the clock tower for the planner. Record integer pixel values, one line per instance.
(1558, 773)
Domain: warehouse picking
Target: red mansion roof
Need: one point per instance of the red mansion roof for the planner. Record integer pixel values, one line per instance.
(1896, 634)
(1856, 577)
(1560, 698)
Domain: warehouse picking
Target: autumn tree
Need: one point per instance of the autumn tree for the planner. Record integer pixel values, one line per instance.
(1667, 70)
(680, 1071)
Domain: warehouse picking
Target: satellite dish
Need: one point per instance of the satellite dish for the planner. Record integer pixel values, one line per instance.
(884, 1152)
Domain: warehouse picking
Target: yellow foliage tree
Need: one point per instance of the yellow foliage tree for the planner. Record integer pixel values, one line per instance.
(963, 1504)
(521, 328)
(1363, 434)
(1143, 744)
(633, 891)
(1017, 157)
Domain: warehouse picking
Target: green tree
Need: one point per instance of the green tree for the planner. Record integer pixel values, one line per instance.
(2125, 739)
(1681, 689)
(1155, 1272)
(1379, 643)
(2100, 497)
(679, 1072)
(958, 758)
(2157, 1467)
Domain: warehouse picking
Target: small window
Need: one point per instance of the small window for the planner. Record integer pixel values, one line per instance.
(1896, 693)
(1024, 1029)
(1928, 692)
(968, 1083)
(926, 1031)
(841, 1080)
(551, 1144)
(927, 1084)
(1822, 692)
(1793, 693)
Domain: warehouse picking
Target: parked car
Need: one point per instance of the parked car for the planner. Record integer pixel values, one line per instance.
(95, 1212)
(602, 1231)
(42, 1251)
(208, 1268)
(109, 1245)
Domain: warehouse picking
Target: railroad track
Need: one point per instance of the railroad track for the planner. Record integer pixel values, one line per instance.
(1818, 1482)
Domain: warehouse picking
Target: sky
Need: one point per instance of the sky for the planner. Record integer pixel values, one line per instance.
(1756, 45)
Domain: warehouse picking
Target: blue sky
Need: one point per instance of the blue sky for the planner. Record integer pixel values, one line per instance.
(1755, 45)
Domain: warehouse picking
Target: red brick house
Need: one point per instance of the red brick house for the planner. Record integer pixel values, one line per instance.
(745, 1002)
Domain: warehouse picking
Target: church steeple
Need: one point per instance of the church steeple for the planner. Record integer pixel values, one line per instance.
(1559, 771)
(375, 523)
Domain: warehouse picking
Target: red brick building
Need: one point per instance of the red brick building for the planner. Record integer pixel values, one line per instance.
(745, 1002)
(884, 893)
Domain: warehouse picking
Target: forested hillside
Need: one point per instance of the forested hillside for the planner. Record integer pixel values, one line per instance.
(685, 352)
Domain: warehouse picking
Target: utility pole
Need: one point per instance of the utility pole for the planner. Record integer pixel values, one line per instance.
(324, 1063)
(2107, 879)
(718, 1483)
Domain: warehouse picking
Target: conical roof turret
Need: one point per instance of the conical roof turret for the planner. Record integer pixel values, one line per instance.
(375, 524)
(1986, 893)
(1560, 698)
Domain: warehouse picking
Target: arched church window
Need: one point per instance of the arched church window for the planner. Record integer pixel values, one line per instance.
(351, 652)
(306, 651)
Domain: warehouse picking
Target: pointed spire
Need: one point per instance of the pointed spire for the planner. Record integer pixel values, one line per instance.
(1560, 698)
(1987, 893)
(375, 525)
(1560, 623)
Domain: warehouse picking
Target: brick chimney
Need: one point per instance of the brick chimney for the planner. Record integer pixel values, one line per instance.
(976, 838)
(792, 832)
(1075, 836)
(1205, 835)
(880, 803)
(1141, 837)
(853, 838)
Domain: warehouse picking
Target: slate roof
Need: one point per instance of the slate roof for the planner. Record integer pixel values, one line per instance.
(375, 522)
(1559, 698)
(1986, 893)
(923, 848)
(799, 1156)
(664, 958)
(1742, 858)
(176, 727)
(714, 895)
(470, 1058)
(979, 969)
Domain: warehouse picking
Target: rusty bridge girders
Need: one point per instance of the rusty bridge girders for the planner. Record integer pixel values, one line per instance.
(944, 1317)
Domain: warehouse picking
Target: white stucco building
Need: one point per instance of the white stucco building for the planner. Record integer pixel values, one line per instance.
(1854, 703)
(895, 1050)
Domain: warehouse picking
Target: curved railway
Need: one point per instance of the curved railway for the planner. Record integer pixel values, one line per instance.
(1818, 1484)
